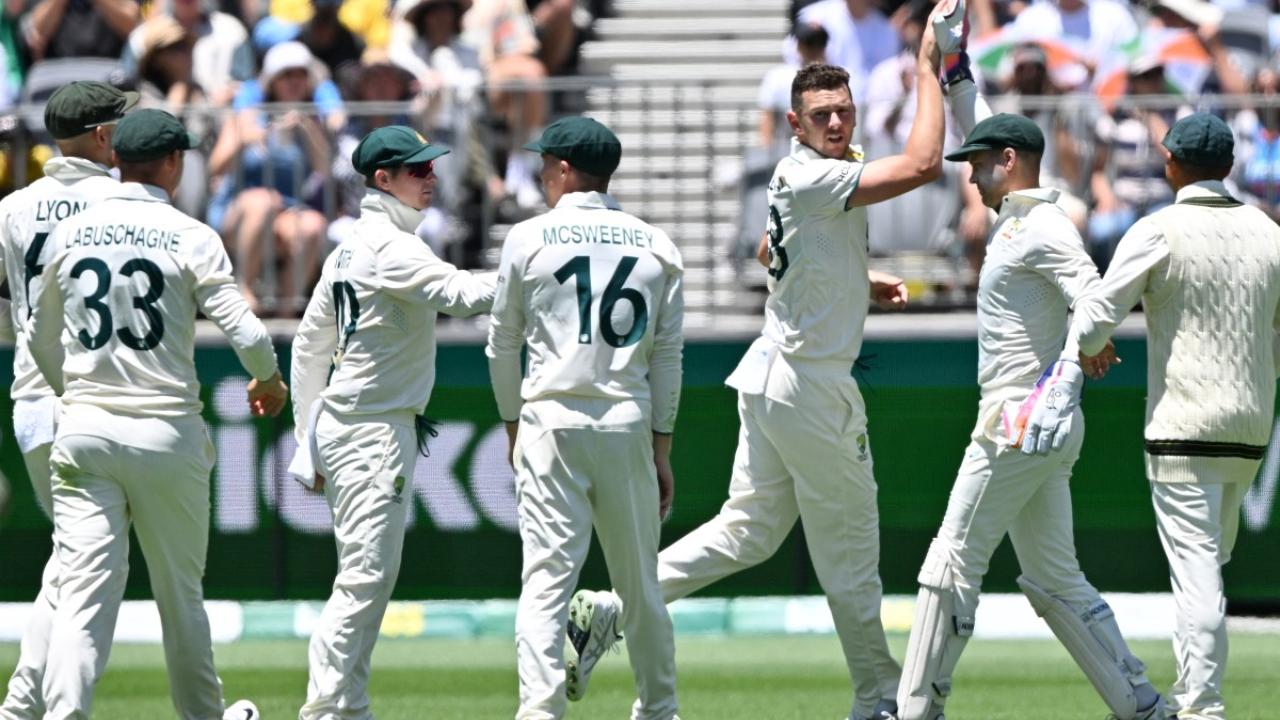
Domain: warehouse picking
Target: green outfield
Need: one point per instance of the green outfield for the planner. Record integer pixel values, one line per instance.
(775, 678)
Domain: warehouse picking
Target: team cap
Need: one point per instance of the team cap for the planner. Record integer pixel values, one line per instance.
(583, 143)
(392, 146)
(150, 134)
(1001, 131)
(78, 107)
(1201, 139)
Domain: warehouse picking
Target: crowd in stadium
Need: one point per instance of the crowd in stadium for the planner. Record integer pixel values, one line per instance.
(1104, 80)
(288, 174)
(455, 69)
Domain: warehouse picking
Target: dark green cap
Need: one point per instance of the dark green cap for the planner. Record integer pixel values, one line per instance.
(78, 107)
(392, 146)
(583, 143)
(1201, 139)
(150, 135)
(999, 132)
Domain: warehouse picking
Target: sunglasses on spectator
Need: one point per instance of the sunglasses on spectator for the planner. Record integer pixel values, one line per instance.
(420, 170)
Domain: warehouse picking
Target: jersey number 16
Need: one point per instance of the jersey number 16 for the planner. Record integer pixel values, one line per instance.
(580, 269)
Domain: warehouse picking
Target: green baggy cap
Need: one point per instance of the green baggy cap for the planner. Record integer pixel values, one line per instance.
(393, 146)
(78, 107)
(1201, 139)
(150, 135)
(583, 143)
(999, 132)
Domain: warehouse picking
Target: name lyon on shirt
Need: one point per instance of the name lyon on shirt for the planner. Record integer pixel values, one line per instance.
(602, 234)
(98, 235)
(55, 210)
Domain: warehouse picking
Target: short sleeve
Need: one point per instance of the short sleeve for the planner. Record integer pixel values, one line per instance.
(828, 188)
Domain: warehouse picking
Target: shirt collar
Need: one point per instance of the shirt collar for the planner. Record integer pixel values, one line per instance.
(803, 153)
(70, 169)
(591, 200)
(1203, 188)
(143, 191)
(1031, 196)
(378, 203)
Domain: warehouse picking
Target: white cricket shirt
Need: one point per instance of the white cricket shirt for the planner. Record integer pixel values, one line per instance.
(1035, 270)
(27, 218)
(819, 292)
(125, 279)
(596, 295)
(367, 342)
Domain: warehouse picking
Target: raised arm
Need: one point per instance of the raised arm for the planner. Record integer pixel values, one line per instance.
(921, 160)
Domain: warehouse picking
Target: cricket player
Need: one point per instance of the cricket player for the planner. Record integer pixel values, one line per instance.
(802, 447)
(118, 297)
(81, 117)
(595, 294)
(365, 352)
(1207, 270)
(1035, 269)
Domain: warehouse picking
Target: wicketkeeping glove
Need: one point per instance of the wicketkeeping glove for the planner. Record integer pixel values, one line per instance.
(951, 30)
(1051, 406)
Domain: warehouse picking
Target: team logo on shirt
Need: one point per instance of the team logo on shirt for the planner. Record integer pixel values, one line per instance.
(398, 486)
(862, 446)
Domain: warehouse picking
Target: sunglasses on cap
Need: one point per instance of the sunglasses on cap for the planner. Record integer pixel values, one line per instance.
(420, 170)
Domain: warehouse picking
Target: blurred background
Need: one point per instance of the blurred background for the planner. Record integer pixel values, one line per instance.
(697, 90)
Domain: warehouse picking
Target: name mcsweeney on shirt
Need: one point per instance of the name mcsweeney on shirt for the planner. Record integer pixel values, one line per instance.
(600, 234)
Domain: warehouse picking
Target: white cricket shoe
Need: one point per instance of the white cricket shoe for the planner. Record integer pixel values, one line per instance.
(951, 26)
(242, 710)
(592, 630)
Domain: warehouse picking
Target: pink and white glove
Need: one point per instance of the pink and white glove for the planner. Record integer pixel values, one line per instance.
(951, 30)
(1044, 418)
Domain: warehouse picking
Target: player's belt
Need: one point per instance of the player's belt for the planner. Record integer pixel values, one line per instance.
(1204, 448)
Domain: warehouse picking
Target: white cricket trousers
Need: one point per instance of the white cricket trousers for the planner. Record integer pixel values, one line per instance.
(1197, 523)
(109, 472)
(368, 470)
(808, 459)
(567, 479)
(25, 699)
(1000, 490)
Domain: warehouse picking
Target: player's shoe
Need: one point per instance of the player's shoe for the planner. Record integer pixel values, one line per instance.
(242, 710)
(592, 630)
(886, 709)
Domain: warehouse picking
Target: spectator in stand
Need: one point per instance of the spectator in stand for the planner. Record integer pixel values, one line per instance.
(861, 37)
(331, 41)
(1205, 20)
(557, 34)
(166, 81)
(427, 40)
(774, 98)
(221, 56)
(503, 32)
(78, 28)
(1060, 165)
(1128, 179)
(1097, 27)
(269, 173)
(1257, 168)
(267, 35)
